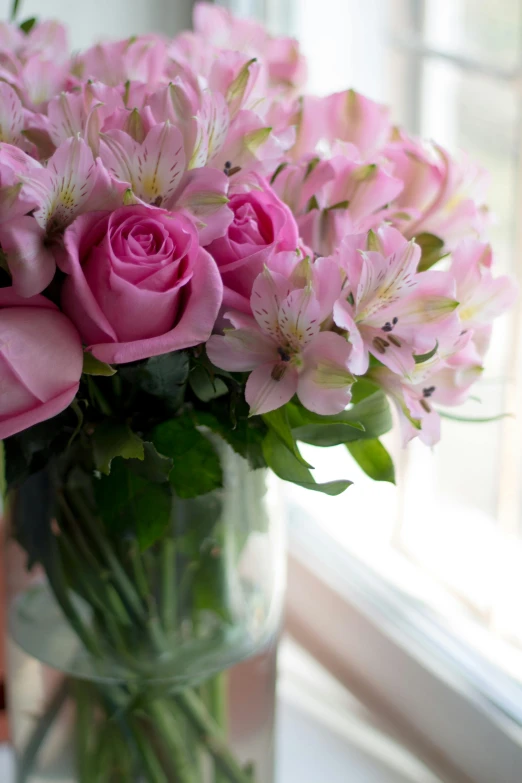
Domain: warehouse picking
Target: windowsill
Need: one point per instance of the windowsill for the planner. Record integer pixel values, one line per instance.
(325, 733)
(447, 707)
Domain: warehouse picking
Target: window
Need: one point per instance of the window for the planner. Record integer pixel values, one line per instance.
(428, 573)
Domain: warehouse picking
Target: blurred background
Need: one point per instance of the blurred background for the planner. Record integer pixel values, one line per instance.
(429, 573)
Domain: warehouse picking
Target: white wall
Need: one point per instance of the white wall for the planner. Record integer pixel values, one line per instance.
(96, 19)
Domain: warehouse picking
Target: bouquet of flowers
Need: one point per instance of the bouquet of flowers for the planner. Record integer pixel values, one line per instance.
(202, 266)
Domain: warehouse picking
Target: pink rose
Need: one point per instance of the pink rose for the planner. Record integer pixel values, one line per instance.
(262, 225)
(41, 359)
(139, 284)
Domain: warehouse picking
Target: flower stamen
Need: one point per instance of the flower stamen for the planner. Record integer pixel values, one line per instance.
(380, 344)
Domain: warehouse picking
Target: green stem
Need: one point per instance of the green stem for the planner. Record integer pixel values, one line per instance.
(140, 574)
(168, 585)
(132, 611)
(211, 737)
(117, 572)
(97, 397)
(217, 696)
(150, 763)
(42, 727)
(165, 722)
(85, 635)
(214, 696)
(85, 725)
(218, 709)
(74, 529)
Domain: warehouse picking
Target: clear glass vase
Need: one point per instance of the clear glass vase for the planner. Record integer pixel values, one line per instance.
(147, 666)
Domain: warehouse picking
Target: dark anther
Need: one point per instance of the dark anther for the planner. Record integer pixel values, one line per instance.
(428, 391)
(394, 340)
(157, 201)
(380, 344)
(278, 372)
(228, 164)
(395, 321)
(425, 406)
(387, 327)
(233, 170)
(285, 357)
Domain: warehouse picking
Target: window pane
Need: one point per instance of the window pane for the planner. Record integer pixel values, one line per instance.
(457, 511)
(488, 31)
(460, 509)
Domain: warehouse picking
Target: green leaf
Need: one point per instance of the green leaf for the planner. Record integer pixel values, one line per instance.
(373, 242)
(210, 589)
(366, 420)
(203, 544)
(432, 250)
(28, 25)
(236, 90)
(475, 419)
(311, 166)
(112, 439)
(165, 376)
(135, 127)
(129, 504)
(14, 9)
(299, 417)
(245, 436)
(373, 458)
(278, 422)
(277, 172)
(93, 366)
(196, 464)
(204, 386)
(340, 205)
(425, 357)
(287, 467)
(153, 467)
(253, 140)
(363, 388)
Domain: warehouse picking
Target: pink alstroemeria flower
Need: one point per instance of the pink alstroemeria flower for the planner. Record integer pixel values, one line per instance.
(14, 163)
(217, 26)
(47, 39)
(71, 183)
(335, 197)
(344, 116)
(154, 173)
(481, 297)
(445, 377)
(417, 418)
(83, 112)
(388, 309)
(442, 195)
(202, 117)
(285, 350)
(152, 169)
(141, 59)
(38, 80)
(11, 115)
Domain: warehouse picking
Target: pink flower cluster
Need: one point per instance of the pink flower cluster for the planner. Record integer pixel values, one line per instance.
(169, 193)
